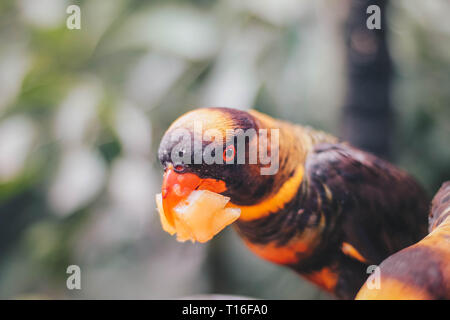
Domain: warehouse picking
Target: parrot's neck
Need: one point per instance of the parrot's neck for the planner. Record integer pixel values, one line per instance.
(283, 234)
(287, 228)
(295, 143)
(276, 228)
(275, 202)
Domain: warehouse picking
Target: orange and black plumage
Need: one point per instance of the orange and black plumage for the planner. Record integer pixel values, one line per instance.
(330, 210)
(421, 271)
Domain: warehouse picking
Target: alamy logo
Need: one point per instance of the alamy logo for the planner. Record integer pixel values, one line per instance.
(374, 20)
(374, 280)
(74, 280)
(74, 20)
(214, 152)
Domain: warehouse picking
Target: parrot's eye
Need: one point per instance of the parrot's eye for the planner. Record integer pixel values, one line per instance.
(229, 153)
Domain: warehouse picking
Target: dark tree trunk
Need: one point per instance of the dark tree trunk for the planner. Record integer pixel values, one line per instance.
(367, 113)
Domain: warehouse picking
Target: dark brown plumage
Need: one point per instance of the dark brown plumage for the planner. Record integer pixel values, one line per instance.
(366, 203)
(328, 213)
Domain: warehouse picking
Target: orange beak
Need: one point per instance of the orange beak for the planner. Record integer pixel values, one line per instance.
(177, 187)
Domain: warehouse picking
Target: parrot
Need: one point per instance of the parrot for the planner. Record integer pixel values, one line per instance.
(327, 211)
(422, 270)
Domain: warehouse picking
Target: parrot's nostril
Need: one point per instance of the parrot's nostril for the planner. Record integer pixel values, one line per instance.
(179, 168)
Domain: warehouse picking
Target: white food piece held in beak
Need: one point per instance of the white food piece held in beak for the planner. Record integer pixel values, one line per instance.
(200, 217)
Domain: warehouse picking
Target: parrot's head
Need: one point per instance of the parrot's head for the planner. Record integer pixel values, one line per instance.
(226, 151)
